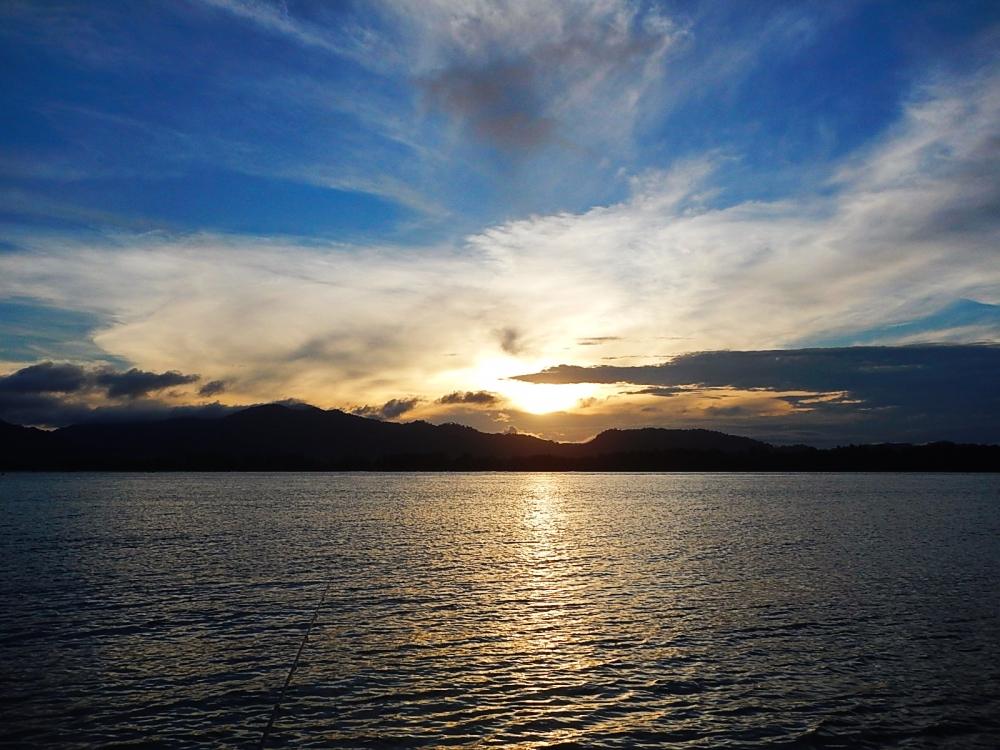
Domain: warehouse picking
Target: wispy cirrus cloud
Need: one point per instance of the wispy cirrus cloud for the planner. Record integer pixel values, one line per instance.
(455, 114)
(339, 35)
(540, 84)
(521, 75)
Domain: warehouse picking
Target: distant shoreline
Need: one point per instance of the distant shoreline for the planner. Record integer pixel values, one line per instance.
(499, 471)
(278, 438)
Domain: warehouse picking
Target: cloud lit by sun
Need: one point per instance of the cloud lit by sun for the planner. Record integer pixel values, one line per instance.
(494, 374)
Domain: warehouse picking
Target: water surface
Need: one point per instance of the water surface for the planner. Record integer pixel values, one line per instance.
(516, 610)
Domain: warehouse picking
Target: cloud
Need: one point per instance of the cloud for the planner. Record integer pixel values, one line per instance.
(52, 394)
(276, 19)
(664, 391)
(494, 105)
(47, 411)
(452, 109)
(135, 383)
(519, 74)
(882, 244)
(511, 340)
(468, 94)
(480, 398)
(212, 388)
(794, 369)
(512, 70)
(912, 392)
(391, 409)
(963, 320)
(51, 377)
(45, 377)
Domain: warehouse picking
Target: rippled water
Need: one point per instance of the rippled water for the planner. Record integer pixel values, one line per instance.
(520, 610)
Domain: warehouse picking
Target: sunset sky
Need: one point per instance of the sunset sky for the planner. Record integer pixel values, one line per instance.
(779, 220)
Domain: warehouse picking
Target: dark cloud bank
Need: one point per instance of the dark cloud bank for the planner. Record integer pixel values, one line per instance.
(906, 393)
(49, 377)
(57, 394)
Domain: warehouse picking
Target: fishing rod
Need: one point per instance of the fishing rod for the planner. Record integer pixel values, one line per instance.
(291, 671)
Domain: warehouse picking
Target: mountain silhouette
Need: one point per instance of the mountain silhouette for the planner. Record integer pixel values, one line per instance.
(651, 439)
(302, 437)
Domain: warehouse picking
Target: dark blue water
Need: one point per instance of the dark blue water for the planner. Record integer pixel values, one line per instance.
(516, 610)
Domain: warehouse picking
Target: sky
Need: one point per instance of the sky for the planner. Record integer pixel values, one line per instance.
(779, 220)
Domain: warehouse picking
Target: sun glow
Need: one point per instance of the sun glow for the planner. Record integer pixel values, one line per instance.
(534, 398)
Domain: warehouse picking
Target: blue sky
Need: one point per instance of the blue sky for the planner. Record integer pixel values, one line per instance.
(227, 117)
(358, 203)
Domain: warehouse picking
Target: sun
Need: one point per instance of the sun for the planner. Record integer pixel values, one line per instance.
(535, 398)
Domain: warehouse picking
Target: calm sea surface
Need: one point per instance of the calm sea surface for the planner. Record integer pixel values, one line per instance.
(516, 610)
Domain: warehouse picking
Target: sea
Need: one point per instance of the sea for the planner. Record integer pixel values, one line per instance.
(519, 610)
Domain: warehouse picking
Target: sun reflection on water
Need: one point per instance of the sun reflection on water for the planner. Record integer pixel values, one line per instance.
(553, 634)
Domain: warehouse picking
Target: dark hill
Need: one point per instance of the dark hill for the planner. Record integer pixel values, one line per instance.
(656, 440)
(278, 437)
(21, 446)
